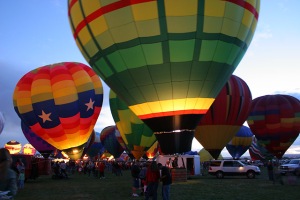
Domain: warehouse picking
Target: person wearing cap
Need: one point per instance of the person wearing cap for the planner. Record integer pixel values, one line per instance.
(8, 178)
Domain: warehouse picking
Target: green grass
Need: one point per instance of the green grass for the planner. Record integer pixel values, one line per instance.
(116, 188)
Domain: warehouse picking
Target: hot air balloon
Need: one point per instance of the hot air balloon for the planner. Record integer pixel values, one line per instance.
(1, 122)
(275, 122)
(97, 147)
(28, 149)
(38, 143)
(225, 117)
(60, 103)
(14, 147)
(240, 143)
(137, 136)
(167, 60)
(108, 137)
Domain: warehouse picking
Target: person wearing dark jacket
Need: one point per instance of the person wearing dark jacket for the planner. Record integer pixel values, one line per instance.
(135, 172)
(166, 180)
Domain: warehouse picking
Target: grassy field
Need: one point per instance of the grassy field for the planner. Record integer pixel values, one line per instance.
(116, 188)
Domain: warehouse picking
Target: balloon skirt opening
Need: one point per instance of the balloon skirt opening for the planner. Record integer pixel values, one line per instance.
(176, 142)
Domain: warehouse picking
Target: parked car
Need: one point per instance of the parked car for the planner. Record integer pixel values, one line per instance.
(292, 167)
(221, 168)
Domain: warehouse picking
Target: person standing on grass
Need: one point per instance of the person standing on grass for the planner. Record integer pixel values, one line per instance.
(63, 167)
(270, 171)
(152, 180)
(142, 177)
(21, 179)
(8, 177)
(166, 182)
(101, 170)
(135, 172)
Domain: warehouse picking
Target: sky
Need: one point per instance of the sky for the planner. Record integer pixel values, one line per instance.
(35, 33)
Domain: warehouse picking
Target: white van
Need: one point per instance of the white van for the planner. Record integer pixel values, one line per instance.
(190, 162)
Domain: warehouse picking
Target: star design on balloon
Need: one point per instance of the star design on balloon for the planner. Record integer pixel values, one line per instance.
(90, 105)
(45, 116)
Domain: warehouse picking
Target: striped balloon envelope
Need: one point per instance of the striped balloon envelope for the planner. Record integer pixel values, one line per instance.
(240, 143)
(60, 103)
(275, 122)
(137, 136)
(38, 143)
(109, 137)
(225, 117)
(167, 60)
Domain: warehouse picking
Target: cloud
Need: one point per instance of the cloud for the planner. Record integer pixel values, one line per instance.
(105, 119)
(295, 149)
(264, 32)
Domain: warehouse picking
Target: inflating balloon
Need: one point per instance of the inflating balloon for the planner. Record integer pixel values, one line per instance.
(96, 148)
(14, 147)
(28, 149)
(137, 136)
(60, 103)
(225, 117)
(240, 143)
(167, 60)
(108, 137)
(275, 122)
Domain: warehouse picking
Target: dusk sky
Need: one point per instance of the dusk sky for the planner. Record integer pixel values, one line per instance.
(35, 33)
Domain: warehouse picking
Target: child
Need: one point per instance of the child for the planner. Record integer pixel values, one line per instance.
(21, 179)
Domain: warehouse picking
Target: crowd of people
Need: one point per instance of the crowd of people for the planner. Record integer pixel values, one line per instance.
(146, 178)
(145, 175)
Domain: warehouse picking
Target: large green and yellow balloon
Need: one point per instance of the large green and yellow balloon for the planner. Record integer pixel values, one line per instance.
(166, 59)
(137, 136)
